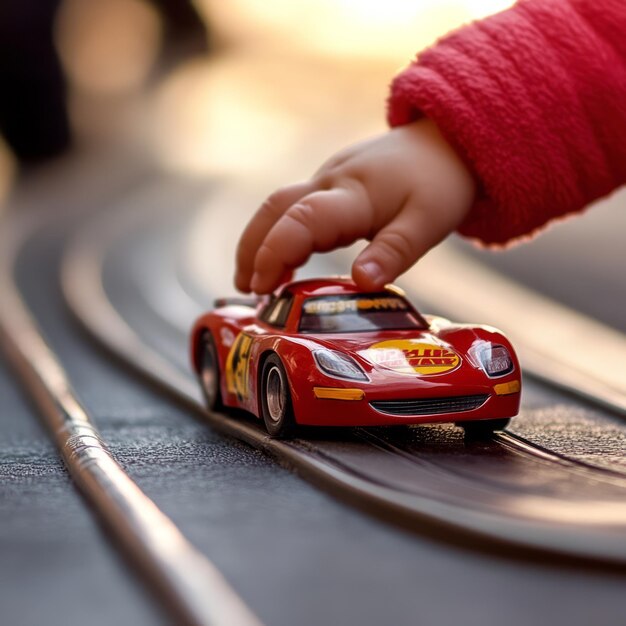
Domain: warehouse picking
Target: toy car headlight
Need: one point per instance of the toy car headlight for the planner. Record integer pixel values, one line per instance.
(338, 365)
(494, 360)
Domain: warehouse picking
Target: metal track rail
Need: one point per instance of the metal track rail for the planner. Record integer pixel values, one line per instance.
(518, 445)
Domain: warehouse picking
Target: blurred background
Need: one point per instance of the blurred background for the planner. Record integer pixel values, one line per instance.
(254, 93)
(217, 88)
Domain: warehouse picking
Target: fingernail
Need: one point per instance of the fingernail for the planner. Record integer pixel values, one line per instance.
(373, 271)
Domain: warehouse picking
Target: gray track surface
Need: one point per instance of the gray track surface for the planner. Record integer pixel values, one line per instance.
(294, 554)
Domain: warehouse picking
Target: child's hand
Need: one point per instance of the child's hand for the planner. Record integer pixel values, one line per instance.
(404, 191)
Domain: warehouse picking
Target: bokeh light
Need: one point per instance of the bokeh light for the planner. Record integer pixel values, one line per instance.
(216, 116)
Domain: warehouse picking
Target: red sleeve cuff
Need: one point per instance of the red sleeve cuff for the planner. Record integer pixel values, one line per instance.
(532, 100)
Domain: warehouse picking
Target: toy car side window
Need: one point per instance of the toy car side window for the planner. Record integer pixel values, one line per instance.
(266, 310)
(277, 312)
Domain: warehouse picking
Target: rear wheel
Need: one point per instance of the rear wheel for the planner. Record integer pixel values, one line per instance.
(483, 429)
(210, 374)
(276, 407)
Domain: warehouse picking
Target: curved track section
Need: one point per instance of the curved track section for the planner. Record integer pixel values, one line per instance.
(519, 496)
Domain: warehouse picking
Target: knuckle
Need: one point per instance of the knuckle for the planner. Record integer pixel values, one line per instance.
(326, 179)
(397, 245)
(271, 205)
(303, 213)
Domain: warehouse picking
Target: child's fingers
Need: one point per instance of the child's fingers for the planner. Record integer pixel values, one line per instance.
(396, 247)
(321, 221)
(261, 223)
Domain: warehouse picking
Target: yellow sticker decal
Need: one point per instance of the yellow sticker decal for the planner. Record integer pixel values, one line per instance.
(353, 305)
(411, 356)
(238, 366)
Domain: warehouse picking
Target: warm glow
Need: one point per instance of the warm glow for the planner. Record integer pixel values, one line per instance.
(107, 47)
(357, 28)
(299, 81)
(220, 117)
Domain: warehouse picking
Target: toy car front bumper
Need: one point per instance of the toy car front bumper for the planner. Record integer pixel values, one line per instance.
(342, 406)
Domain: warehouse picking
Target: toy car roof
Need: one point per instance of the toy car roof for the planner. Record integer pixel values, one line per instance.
(330, 286)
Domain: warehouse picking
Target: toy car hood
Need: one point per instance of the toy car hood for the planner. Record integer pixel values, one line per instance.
(407, 352)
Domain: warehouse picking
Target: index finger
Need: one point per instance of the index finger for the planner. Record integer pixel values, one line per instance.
(259, 226)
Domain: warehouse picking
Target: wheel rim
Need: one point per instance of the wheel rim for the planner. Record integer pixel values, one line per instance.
(209, 374)
(275, 394)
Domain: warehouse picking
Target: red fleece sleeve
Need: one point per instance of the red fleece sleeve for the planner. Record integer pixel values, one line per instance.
(534, 101)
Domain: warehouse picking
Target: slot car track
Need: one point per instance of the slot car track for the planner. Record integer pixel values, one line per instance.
(395, 476)
(513, 494)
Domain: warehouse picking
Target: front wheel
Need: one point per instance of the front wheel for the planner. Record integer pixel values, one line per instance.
(483, 429)
(210, 374)
(276, 406)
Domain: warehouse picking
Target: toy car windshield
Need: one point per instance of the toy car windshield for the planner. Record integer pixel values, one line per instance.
(358, 313)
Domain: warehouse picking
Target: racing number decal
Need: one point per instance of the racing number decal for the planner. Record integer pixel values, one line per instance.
(238, 366)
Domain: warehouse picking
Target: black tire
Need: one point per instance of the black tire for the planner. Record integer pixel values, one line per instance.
(210, 374)
(483, 429)
(276, 406)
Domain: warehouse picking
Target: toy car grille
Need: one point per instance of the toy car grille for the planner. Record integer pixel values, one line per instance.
(430, 406)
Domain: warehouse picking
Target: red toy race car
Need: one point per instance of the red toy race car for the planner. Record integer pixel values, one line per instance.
(321, 352)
